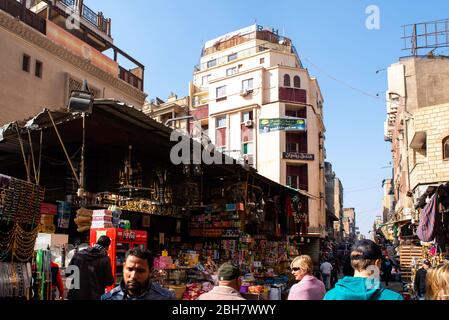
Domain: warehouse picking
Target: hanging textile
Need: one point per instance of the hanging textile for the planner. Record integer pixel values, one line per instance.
(429, 220)
(42, 275)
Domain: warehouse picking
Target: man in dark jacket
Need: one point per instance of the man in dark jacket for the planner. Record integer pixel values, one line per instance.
(420, 280)
(386, 267)
(95, 271)
(136, 283)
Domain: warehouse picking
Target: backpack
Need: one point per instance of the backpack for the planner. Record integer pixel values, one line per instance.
(429, 220)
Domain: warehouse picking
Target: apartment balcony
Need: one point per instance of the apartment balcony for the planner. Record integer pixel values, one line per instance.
(50, 18)
(17, 9)
(243, 54)
(129, 77)
(292, 95)
(200, 113)
(89, 18)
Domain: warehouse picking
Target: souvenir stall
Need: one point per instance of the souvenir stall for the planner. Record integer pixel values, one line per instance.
(120, 180)
(20, 215)
(242, 223)
(430, 233)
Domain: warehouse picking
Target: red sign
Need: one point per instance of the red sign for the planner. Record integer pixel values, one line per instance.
(132, 235)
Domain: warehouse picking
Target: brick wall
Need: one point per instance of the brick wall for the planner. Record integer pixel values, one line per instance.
(429, 167)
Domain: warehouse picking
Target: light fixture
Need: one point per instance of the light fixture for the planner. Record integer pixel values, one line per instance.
(81, 100)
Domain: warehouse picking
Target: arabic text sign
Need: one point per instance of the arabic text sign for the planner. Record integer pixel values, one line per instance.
(286, 124)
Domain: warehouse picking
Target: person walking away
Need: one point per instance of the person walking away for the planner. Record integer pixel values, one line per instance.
(366, 258)
(308, 286)
(228, 284)
(95, 271)
(420, 280)
(334, 273)
(326, 270)
(386, 267)
(136, 283)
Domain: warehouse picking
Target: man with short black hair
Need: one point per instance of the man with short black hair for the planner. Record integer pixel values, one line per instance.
(95, 271)
(366, 258)
(136, 283)
(420, 280)
(228, 284)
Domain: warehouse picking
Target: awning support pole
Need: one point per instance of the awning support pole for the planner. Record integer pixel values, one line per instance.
(40, 159)
(63, 147)
(23, 154)
(83, 156)
(32, 155)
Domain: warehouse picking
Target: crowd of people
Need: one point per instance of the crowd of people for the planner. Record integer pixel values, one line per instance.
(333, 281)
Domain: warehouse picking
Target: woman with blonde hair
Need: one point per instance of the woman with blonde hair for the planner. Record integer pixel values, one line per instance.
(437, 282)
(308, 287)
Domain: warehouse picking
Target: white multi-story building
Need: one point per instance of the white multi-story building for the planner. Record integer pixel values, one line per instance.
(260, 105)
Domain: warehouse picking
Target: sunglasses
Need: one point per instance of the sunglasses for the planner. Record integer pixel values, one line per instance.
(295, 269)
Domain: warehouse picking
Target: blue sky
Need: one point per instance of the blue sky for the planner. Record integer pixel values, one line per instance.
(333, 43)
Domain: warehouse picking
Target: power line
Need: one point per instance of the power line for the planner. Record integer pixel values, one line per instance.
(347, 84)
(363, 189)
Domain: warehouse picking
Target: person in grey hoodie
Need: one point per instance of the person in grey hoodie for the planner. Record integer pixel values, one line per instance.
(366, 257)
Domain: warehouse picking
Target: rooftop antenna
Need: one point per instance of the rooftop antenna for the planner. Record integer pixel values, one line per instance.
(425, 35)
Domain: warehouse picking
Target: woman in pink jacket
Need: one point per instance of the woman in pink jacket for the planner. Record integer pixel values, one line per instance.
(308, 287)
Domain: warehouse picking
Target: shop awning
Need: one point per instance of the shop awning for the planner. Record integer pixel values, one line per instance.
(391, 223)
(112, 123)
(304, 193)
(419, 140)
(331, 215)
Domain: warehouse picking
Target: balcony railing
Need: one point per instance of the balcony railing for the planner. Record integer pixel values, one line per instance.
(200, 112)
(68, 3)
(244, 53)
(294, 95)
(96, 20)
(130, 78)
(16, 9)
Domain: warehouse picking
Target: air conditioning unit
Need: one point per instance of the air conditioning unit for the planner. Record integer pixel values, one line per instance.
(245, 92)
(249, 123)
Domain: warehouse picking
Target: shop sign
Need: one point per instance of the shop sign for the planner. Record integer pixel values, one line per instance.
(298, 156)
(129, 235)
(284, 124)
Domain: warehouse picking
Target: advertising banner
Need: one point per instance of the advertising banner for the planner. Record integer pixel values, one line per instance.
(286, 124)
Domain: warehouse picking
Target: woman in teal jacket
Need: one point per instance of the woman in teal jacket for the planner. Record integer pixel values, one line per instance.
(366, 258)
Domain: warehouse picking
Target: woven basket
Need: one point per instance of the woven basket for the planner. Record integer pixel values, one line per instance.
(179, 290)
